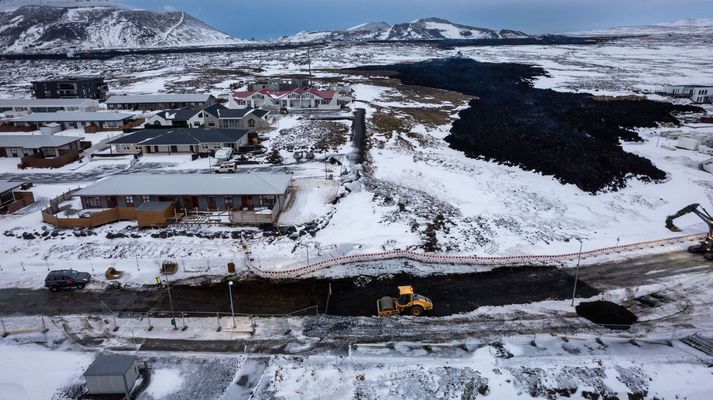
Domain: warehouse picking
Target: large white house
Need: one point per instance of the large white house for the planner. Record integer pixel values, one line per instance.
(698, 94)
(18, 107)
(311, 98)
(187, 118)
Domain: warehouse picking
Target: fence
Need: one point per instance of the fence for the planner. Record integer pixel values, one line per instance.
(22, 200)
(164, 325)
(37, 161)
(91, 220)
(12, 128)
(94, 128)
(467, 260)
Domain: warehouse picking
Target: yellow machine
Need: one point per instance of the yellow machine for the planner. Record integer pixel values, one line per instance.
(407, 303)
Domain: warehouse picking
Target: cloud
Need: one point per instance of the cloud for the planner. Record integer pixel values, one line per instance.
(169, 8)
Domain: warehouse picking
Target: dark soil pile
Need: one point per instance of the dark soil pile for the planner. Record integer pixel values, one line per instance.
(611, 315)
(571, 136)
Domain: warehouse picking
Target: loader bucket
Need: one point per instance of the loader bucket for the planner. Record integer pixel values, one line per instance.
(671, 227)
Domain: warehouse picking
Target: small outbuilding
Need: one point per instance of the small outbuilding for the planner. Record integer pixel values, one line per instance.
(112, 374)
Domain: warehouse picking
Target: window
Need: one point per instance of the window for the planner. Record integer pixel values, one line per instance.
(230, 123)
(266, 201)
(251, 123)
(13, 151)
(228, 202)
(145, 199)
(94, 202)
(129, 200)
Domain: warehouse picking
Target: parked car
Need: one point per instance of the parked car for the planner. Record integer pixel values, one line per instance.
(66, 278)
(226, 167)
(224, 154)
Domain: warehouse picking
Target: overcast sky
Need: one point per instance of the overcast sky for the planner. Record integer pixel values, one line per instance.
(271, 19)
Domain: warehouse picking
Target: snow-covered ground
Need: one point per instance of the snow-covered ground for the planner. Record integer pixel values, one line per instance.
(414, 184)
(32, 372)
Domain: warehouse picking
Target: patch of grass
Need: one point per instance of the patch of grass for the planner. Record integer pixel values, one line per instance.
(387, 122)
(431, 117)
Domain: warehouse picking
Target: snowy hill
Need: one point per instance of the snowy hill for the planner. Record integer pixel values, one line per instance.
(682, 27)
(422, 29)
(436, 28)
(63, 25)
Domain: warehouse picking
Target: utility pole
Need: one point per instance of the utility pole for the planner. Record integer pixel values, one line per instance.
(170, 301)
(576, 274)
(230, 293)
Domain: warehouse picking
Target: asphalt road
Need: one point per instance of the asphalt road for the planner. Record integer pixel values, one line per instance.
(451, 294)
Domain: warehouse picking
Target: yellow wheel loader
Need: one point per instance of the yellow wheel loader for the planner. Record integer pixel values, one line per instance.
(407, 303)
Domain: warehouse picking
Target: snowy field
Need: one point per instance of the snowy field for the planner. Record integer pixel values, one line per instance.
(414, 192)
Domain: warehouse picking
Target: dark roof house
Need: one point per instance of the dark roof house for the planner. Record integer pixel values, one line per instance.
(180, 140)
(243, 118)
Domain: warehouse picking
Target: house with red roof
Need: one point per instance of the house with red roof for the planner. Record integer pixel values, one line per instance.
(294, 99)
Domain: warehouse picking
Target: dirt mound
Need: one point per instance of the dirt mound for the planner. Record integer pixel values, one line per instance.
(611, 315)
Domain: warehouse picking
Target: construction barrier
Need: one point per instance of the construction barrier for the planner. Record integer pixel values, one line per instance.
(466, 260)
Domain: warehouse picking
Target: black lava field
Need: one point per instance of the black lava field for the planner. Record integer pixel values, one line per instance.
(571, 136)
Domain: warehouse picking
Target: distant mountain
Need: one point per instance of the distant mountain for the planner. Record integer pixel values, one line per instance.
(422, 29)
(60, 26)
(683, 27)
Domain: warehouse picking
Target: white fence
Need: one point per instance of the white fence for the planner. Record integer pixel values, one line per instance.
(467, 260)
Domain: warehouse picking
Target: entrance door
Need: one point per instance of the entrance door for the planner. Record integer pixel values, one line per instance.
(111, 202)
(174, 149)
(246, 202)
(191, 202)
(211, 203)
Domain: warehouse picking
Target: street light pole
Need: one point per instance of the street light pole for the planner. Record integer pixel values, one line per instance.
(230, 292)
(576, 273)
(170, 301)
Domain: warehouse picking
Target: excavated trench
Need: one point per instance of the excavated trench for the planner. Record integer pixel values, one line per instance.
(606, 313)
(451, 294)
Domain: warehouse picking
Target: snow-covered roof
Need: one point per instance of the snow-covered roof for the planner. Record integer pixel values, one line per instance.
(178, 136)
(7, 186)
(47, 102)
(71, 116)
(160, 98)
(36, 141)
(110, 365)
(183, 114)
(239, 184)
(325, 94)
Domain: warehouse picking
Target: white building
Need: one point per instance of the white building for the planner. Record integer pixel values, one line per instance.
(18, 107)
(311, 98)
(698, 94)
(186, 118)
(74, 119)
